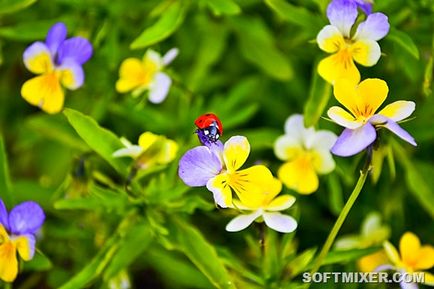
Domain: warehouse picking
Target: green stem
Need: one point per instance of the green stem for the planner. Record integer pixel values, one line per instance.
(343, 215)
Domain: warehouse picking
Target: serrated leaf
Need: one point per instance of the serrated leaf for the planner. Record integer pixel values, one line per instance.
(257, 46)
(166, 25)
(191, 242)
(219, 7)
(99, 139)
(319, 95)
(403, 40)
(11, 6)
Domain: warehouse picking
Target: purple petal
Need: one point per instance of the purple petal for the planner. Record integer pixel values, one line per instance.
(78, 49)
(198, 165)
(55, 36)
(72, 76)
(365, 6)
(382, 121)
(342, 14)
(4, 215)
(26, 218)
(406, 285)
(353, 141)
(375, 27)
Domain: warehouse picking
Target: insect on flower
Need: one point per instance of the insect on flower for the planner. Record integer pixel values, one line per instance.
(209, 128)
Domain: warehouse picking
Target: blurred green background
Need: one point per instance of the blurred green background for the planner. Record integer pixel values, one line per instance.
(251, 62)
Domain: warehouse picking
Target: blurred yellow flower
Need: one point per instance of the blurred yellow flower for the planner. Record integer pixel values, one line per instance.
(306, 153)
(152, 149)
(140, 75)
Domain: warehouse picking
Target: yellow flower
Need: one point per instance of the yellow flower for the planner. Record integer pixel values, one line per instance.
(152, 149)
(362, 47)
(247, 183)
(306, 153)
(267, 206)
(139, 75)
(412, 256)
(361, 120)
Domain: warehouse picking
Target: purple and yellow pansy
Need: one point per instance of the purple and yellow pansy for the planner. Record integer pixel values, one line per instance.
(58, 63)
(336, 38)
(361, 121)
(17, 234)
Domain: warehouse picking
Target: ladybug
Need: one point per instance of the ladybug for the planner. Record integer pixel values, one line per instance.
(209, 128)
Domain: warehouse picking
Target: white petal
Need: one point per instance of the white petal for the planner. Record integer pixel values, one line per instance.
(279, 222)
(125, 142)
(329, 39)
(325, 162)
(159, 88)
(294, 126)
(286, 146)
(242, 221)
(323, 140)
(342, 117)
(170, 56)
(132, 151)
(155, 57)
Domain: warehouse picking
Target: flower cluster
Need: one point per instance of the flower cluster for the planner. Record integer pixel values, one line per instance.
(59, 62)
(17, 233)
(218, 167)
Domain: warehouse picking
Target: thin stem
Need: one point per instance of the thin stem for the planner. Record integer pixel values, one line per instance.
(344, 213)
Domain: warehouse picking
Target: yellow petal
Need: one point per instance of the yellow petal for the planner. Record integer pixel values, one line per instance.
(391, 253)
(366, 52)
(425, 260)
(8, 262)
(398, 110)
(253, 184)
(221, 191)
(37, 58)
(3, 234)
(235, 152)
(330, 39)
(299, 175)
(409, 246)
(131, 75)
(343, 118)
(45, 92)
(346, 93)
(167, 152)
(23, 246)
(281, 203)
(429, 278)
(370, 262)
(337, 66)
(146, 139)
(371, 93)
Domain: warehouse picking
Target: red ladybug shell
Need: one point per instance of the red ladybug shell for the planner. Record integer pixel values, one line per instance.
(206, 120)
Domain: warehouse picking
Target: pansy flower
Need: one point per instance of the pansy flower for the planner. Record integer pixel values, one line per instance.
(412, 258)
(152, 149)
(219, 170)
(265, 207)
(306, 153)
(361, 120)
(147, 74)
(17, 233)
(361, 47)
(58, 62)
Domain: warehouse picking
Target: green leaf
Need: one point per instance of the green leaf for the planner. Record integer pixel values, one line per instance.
(99, 198)
(101, 140)
(346, 256)
(133, 244)
(403, 40)
(296, 15)
(336, 194)
(39, 262)
(258, 47)
(202, 254)
(31, 30)
(418, 176)
(300, 262)
(5, 182)
(219, 7)
(95, 266)
(319, 95)
(11, 6)
(169, 21)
